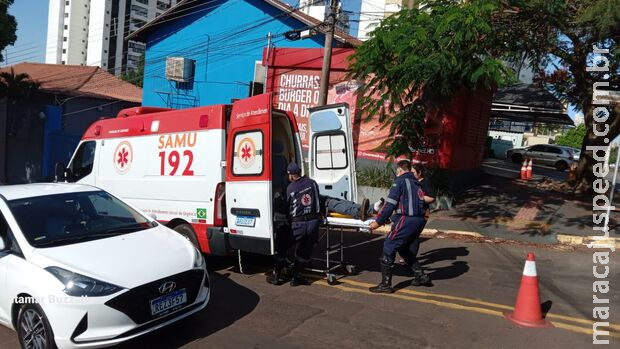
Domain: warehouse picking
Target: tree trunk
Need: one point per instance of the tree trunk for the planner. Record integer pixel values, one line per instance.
(585, 173)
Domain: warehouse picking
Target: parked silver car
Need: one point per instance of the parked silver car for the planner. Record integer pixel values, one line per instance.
(543, 154)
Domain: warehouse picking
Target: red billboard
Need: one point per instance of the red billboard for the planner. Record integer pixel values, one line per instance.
(454, 138)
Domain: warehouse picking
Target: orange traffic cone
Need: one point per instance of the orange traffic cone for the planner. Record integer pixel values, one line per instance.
(528, 311)
(529, 169)
(524, 170)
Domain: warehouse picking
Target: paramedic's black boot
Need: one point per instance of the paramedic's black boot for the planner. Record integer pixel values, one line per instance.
(364, 209)
(297, 279)
(419, 277)
(386, 281)
(276, 277)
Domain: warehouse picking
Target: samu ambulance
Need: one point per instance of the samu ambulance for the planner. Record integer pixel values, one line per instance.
(211, 173)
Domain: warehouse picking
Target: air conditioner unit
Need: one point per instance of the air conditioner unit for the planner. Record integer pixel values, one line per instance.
(180, 69)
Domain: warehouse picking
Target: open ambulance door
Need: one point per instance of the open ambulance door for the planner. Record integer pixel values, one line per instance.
(331, 156)
(248, 176)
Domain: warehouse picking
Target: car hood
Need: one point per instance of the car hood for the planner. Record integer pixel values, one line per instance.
(127, 260)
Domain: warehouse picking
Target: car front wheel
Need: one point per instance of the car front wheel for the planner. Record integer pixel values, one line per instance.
(561, 166)
(188, 233)
(517, 158)
(33, 329)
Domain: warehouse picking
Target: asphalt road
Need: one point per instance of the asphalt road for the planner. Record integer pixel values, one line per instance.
(474, 283)
(506, 168)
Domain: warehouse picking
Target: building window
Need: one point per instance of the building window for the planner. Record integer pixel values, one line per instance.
(66, 15)
(64, 39)
(67, 3)
(140, 11)
(146, 2)
(64, 50)
(66, 27)
(63, 62)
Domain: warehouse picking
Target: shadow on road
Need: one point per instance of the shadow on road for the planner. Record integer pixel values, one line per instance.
(229, 303)
(365, 251)
(545, 307)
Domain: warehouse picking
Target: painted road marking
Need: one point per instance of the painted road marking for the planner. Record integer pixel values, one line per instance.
(399, 295)
(476, 301)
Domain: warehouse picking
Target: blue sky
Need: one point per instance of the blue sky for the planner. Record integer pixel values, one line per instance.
(31, 16)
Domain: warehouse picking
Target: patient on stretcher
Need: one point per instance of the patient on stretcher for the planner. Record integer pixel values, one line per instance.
(349, 209)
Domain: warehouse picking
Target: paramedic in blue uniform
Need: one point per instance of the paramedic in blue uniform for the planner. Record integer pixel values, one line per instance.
(407, 201)
(304, 210)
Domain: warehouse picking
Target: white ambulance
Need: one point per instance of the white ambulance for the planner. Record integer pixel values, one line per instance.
(211, 173)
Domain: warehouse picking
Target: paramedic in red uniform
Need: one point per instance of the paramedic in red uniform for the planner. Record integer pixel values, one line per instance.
(407, 200)
(304, 210)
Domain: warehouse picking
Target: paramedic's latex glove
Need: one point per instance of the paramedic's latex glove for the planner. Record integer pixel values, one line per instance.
(373, 225)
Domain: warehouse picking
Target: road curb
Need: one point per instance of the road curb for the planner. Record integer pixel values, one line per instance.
(585, 240)
(562, 239)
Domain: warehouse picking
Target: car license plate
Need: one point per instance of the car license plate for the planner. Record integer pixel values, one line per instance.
(245, 221)
(169, 301)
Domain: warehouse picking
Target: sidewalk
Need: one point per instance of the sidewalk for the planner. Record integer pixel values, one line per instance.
(512, 209)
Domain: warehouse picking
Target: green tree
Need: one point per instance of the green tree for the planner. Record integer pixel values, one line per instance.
(573, 138)
(135, 77)
(17, 87)
(563, 34)
(8, 26)
(417, 60)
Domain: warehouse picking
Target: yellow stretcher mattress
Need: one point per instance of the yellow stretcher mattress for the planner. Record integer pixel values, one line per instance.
(342, 221)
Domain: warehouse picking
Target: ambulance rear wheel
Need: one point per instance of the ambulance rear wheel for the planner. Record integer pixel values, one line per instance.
(187, 232)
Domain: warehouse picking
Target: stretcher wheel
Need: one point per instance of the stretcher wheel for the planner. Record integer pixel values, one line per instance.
(331, 279)
(351, 269)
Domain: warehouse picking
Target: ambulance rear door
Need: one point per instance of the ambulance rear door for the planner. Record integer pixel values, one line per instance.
(331, 156)
(248, 176)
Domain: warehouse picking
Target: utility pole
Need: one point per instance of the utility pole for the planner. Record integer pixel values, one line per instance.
(332, 18)
(267, 60)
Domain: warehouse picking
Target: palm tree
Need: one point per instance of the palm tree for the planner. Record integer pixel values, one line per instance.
(17, 87)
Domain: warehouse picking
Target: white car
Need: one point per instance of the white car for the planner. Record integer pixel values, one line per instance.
(79, 268)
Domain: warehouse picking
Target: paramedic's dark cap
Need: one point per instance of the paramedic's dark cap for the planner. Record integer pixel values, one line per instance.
(293, 168)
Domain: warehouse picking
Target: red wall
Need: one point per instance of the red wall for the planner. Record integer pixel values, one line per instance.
(454, 139)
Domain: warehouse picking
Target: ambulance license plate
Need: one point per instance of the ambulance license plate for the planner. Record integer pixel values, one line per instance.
(169, 301)
(245, 221)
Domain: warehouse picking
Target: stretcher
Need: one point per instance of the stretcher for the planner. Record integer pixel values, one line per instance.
(335, 226)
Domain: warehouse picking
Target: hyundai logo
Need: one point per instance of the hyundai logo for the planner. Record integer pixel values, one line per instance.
(167, 287)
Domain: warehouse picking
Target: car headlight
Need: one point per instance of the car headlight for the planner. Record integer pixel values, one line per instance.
(199, 259)
(78, 285)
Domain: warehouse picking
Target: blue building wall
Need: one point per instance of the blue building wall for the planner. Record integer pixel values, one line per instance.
(225, 38)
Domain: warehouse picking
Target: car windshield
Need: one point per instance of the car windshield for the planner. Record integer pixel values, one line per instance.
(63, 219)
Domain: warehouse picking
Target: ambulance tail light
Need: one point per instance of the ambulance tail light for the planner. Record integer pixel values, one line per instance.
(219, 214)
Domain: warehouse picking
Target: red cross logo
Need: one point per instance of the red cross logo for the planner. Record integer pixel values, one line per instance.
(246, 152)
(122, 157)
(306, 200)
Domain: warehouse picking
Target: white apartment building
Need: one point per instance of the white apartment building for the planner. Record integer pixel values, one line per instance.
(92, 32)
